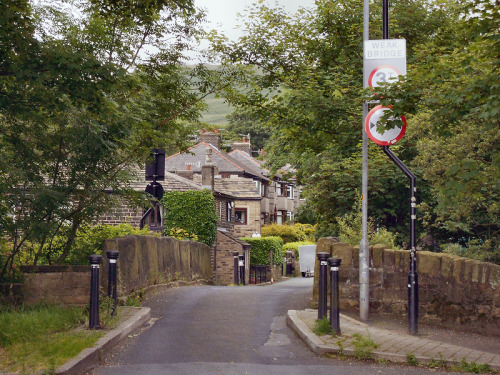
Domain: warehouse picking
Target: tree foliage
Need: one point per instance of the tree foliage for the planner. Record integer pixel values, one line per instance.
(87, 88)
(305, 84)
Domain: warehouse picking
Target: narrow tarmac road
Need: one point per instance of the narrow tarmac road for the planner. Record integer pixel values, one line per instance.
(229, 330)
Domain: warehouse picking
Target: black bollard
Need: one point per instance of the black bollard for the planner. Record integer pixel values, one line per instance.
(334, 264)
(323, 284)
(95, 260)
(112, 256)
(236, 271)
(241, 263)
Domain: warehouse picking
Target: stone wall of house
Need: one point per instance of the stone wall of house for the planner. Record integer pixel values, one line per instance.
(121, 213)
(68, 285)
(452, 290)
(253, 218)
(147, 260)
(224, 269)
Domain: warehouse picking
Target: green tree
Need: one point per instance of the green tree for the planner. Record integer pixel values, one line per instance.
(245, 123)
(87, 88)
(306, 86)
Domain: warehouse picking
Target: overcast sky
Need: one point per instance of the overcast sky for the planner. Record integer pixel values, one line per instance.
(222, 13)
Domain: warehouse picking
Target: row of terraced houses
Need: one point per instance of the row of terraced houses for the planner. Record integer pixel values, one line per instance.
(246, 196)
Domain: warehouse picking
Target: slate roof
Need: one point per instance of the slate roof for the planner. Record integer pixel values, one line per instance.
(172, 182)
(249, 162)
(196, 155)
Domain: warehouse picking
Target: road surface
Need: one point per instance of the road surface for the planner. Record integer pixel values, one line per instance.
(229, 330)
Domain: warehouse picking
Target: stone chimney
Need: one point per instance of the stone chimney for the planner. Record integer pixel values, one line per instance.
(187, 173)
(208, 172)
(210, 138)
(244, 145)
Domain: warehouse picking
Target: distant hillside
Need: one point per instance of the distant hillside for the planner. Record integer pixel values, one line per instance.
(217, 111)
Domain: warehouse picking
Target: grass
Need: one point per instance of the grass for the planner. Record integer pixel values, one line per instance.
(363, 347)
(42, 338)
(473, 367)
(322, 327)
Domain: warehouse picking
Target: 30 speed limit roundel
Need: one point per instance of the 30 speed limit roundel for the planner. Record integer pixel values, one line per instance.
(383, 73)
(388, 137)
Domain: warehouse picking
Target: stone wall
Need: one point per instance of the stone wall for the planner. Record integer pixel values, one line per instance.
(143, 261)
(68, 285)
(226, 244)
(452, 290)
(253, 218)
(147, 260)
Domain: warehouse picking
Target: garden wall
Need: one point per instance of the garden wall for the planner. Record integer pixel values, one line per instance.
(452, 290)
(143, 261)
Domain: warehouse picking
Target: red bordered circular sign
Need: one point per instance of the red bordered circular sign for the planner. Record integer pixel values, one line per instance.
(388, 137)
(383, 73)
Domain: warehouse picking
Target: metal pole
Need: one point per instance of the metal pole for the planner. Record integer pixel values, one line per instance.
(385, 19)
(94, 260)
(241, 263)
(112, 256)
(364, 252)
(323, 284)
(334, 264)
(235, 256)
(412, 275)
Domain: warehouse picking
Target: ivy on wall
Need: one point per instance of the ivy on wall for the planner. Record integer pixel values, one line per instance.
(261, 248)
(193, 211)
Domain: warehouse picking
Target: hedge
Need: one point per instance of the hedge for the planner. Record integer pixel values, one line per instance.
(193, 211)
(288, 233)
(261, 247)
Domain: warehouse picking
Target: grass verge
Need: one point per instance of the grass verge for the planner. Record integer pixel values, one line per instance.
(41, 338)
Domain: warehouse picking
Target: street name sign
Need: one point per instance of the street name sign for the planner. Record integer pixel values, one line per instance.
(387, 138)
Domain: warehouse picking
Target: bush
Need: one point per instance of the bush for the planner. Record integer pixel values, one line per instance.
(294, 246)
(90, 239)
(261, 247)
(349, 228)
(485, 251)
(193, 211)
(288, 233)
(308, 229)
(181, 234)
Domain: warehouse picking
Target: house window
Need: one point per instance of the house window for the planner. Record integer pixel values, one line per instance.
(289, 216)
(263, 190)
(240, 216)
(289, 191)
(279, 218)
(229, 206)
(279, 192)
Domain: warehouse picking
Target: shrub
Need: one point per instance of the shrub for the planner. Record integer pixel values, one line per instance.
(288, 233)
(192, 210)
(261, 247)
(308, 229)
(181, 234)
(349, 228)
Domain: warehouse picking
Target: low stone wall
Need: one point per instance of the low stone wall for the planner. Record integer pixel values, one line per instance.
(143, 261)
(67, 285)
(147, 260)
(452, 290)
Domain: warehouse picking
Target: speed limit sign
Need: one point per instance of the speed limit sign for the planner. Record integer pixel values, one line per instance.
(388, 137)
(382, 74)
